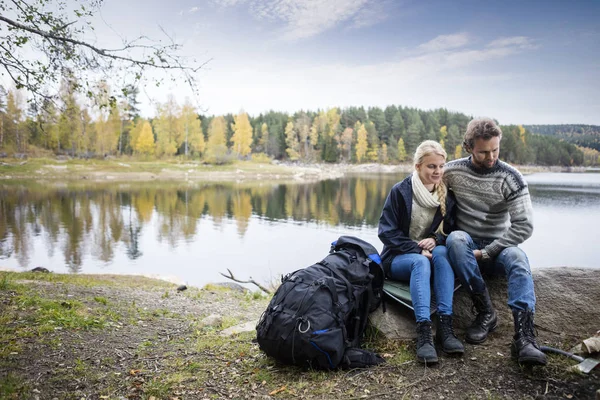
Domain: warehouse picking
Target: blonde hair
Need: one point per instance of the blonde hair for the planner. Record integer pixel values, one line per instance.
(426, 148)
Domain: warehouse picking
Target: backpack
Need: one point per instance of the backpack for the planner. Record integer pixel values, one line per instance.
(317, 317)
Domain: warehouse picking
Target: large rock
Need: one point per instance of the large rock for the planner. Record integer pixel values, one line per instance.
(568, 304)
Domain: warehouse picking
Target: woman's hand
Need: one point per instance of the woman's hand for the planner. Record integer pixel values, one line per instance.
(426, 253)
(427, 244)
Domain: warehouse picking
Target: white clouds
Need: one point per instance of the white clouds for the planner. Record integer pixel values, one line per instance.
(308, 18)
(521, 42)
(445, 42)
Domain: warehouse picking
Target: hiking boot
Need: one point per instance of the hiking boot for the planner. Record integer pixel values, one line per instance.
(425, 350)
(445, 337)
(524, 347)
(486, 320)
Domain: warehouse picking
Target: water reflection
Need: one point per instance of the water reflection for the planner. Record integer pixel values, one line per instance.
(195, 231)
(101, 218)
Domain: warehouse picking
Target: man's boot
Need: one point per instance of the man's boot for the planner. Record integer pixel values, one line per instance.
(524, 347)
(486, 320)
(445, 337)
(425, 350)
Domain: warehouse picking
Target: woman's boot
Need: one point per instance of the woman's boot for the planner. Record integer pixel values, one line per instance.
(445, 337)
(425, 350)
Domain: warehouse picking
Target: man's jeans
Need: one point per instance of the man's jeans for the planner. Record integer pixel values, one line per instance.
(512, 262)
(416, 268)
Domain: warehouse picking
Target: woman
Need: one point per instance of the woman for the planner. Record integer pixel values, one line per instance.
(410, 228)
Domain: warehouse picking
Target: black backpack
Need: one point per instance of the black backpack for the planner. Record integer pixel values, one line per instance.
(317, 317)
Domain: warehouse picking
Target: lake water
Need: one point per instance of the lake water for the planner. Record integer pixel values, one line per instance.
(194, 231)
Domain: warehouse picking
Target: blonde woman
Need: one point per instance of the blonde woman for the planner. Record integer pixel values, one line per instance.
(410, 228)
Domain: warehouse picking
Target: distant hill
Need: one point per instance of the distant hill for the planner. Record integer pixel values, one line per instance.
(581, 135)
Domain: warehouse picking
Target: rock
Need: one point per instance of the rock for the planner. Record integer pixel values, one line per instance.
(232, 286)
(567, 304)
(40, 269)
(181, 288)
(234, 330)
(211, 320)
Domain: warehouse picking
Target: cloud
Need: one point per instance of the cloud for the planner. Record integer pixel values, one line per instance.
(521, 42)
(445, 42)
(308, 18)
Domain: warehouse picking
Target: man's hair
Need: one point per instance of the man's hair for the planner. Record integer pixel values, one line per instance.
(484, 128)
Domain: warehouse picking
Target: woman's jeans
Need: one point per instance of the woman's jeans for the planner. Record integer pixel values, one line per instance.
(417, 269)
(512, 262)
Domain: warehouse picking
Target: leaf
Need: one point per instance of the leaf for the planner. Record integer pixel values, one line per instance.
(281, 389)
(134, 372)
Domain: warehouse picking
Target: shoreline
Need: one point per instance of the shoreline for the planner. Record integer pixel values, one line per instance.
(111, 170)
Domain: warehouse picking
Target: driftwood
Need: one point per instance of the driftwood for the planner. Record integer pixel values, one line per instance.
(252, 281)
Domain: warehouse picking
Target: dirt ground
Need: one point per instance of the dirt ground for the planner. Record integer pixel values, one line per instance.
(109, 337)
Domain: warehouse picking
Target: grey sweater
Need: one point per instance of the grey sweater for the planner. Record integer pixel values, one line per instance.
(492, 204)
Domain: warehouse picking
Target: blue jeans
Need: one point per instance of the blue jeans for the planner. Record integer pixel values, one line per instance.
(512, 262)
(416, 269)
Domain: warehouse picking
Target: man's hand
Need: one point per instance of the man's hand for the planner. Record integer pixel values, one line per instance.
(477, 254)
(426, 253)
(427, 244)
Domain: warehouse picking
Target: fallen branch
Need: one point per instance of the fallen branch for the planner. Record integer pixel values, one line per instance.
(252, 281)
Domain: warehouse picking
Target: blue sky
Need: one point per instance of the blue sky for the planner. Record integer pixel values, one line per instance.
(529, 62)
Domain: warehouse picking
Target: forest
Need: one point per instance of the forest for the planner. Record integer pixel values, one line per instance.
(350, 135)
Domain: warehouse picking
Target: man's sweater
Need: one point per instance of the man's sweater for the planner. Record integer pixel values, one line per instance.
(492, 204)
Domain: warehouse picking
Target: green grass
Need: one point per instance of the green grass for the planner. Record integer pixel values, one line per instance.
(12, 387)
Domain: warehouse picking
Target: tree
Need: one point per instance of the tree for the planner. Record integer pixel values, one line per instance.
(291, 140)
(361, 141)
(193, 136)
(43, 39)
(145, 142)
(401, 150)
(242, 135)
(168, 128)
(216, 149)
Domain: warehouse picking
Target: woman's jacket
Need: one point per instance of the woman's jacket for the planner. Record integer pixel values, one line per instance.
(394, 223)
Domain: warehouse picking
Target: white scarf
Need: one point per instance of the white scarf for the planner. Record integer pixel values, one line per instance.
(421, 195)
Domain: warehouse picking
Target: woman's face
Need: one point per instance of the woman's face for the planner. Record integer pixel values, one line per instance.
(431, 169)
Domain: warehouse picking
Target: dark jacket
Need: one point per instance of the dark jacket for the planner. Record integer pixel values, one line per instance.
(394, 223)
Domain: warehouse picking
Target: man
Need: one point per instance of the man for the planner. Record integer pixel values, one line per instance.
(494, 216)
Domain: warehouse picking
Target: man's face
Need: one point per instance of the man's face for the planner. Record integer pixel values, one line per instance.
(485, 152)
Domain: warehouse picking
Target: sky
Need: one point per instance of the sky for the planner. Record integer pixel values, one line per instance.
(521, 62)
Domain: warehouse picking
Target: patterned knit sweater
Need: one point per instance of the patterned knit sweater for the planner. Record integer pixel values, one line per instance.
(492, 204)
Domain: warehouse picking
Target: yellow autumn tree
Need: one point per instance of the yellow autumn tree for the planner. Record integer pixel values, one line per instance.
(383, 157)
(458, 151)
(443, 134)
(522, 134)
(263, 142)
(361, 141)
(145, 142)
(401, 150)
(193, 137)
(242, 135)
(216, 148)
(291, 141)
(168, 128)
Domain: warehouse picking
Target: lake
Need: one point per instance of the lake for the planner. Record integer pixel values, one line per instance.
(194, 231)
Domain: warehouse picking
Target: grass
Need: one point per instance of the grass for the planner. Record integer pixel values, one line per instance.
(51, 168)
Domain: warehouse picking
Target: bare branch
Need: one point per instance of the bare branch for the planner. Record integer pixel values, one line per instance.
(252, 281)
(97, 50)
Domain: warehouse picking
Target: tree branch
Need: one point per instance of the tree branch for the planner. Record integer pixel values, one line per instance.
(103, 52)
(252, 281)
